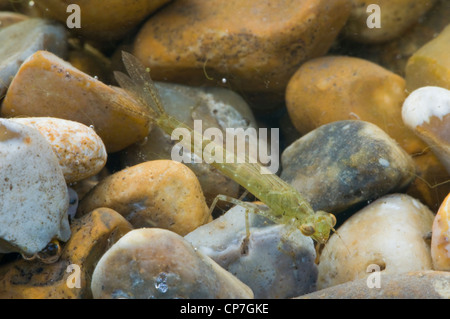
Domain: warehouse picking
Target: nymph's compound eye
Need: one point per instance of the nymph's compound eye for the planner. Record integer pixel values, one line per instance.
(307, 230)
(333, 220)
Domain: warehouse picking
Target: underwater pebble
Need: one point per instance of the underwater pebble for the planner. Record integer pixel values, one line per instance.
(395, 18)
(427, 112)
(430, 65)
(157, 263)
(59, 90)
(391, 235)
(440, 240)
(33, 194)
(22, 39)
(344, 163)
(161, 193)
(255, 45)
(102, 21)
(80, 151)
(412, 285)
(215, 107)
(69, 277)
(276, 262)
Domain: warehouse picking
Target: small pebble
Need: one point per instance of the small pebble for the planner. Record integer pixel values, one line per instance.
(430, 65)
(412, 285)
(440, 240)
(69, 277)
(391, 235)
(59, 90)
(33, 194)
(276, 262)
(427, 112)
(344, 163)
(395, 17)
(161, 193)
(80, 151)
(22, 39)
(153, 263)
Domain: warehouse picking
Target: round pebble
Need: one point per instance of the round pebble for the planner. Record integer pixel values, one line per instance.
(344, 163)
(161, 193)
(391, 236)
(156, 263)
(80, 151)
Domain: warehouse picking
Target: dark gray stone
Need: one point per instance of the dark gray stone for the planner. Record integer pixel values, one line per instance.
(344, 163)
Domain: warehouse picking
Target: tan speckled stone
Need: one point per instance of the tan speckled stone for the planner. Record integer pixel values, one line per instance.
(80, 151)
(161, 193)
